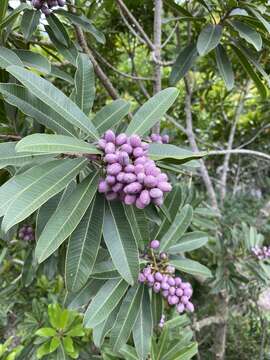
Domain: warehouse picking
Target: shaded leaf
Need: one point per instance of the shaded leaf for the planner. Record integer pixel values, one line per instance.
(209, 38)
(29, 23)
(247, 33)
(8, 57)
(34, 60)
(224, 67)
(183, 63)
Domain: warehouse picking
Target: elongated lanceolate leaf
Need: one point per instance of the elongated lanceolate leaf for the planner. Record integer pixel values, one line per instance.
(55, 144)
(34, 60)
(224, 67)
(14, 14)
(66, 217)
(180, 224)
(102, 329)
(126, 317)
(33, 188)
(83, 246)
(191, 267)
(152, 111)
(172, 153)
(29, 23)
(8, 57)
(84, 296)
(106, 300)
(120, 242)
(30, 105)
(105, 270)
(189, 242)
(55, 99)
(84, 83)
(58, 29)
(183, 63)
(143, 327)
(247, 33)
(110, 115)
(138, 224)
(8, 156)
(209, 38)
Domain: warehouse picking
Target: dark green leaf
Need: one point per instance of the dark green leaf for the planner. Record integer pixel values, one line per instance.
(58, 29)
(34, 60)
(225, 67)
(209, 38)
(189, 242)
(247, 33)
(29, 23)
(183, 63)
(8, 57)
(191, 267)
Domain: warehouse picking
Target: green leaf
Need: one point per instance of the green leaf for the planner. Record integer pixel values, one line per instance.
(209, 38)
(102, 329)
(172, 153)
(46, 331)
(120, 242)
(8, 156)
(224, 67)
(14, 14)
(180, 224)
(138, 224)
(189, 242)
(58, 29)
(3, 9)
(128, 352)
(126, 317)
(83, 246)
(157, 308)
(84, 295)
(55, 144)
(33, 188)
(183, 63)
(54, 98)
(191, 267)
(110, 115)
(55, 343)
(43, 350)
(246, 32)
(105, 302)
(256, 13)
(143, 327)
(76, 331)
(105, 270)
(8, 57)
(177, 8)
(20, 97)
(84, 83)
(29, 23)
(66, 217)
(84, 23)
(181, 352)
(248, 68)
(56, 72)
(70, 52)
(34, 60)
(68, 344)
(152, 111)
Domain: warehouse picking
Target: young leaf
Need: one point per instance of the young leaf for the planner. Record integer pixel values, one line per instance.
(189, 242)
(152, 111)
(8, 57)
(209, 38)
(143, 327)
(180, 224)
(224, 67)
(8, 156)
(83, 246)
(172, 153)
(84, 83)
(191, 267)
(84, 23)
(110, 115)
(183, 63)
(34, 60)
(38, 185)
(20, 97)
(66, 217)
(46, 332)
(29, 23)
(55, 144)
(249, 70)
(126, 317)
(105, 302)
(54, 98)
(247, 33)
(120, 242)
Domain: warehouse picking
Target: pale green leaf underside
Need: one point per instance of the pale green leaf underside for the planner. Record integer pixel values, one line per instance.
(191, 267)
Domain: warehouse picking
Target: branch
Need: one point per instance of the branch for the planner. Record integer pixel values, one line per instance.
(105, 62)
(199, 325)
(99, 72)
(136, 24)
(193, 144)
(10, 137)
(170, 36)
(240, 151)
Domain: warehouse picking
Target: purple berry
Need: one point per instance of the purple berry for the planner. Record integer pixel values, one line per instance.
(129, 168)
(121, 139)
(156, 287)
(120, 176)
(180, 308)
(139, 204)
(164, 186)
(155, 193)
(163, 256)
(61, 2)
(127, 148)
(103, 186)
(138, 152)
(135, 141)
(154, 244)
(170, 269)
(184, 299)
(158, 276)
(130, 178)
(189, 307)
(188, 292)
(158, 201)
(141, 278)
(139, 169)
(109, 136)
(165, 139)
(111, 158)
(130, 199)
(162, 177)
(179, 292)
(171, 281)
(102, 143)
(172, 290)
(150, 181)
(145, 197)
(150, 278)
(114, 169)
(123, 158)
(140, 160)
(133, 188)
(145, 146)
(165, 293)
(178, 281)
(111, 196)
(109, 148)
(165, 285)
(117, 187)
(141, 177)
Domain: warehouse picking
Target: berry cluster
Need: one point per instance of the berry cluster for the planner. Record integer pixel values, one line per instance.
(26, 233)
(131, 175)
(161, 139)
(161, 321)
(261, 253)
(46, 5)
(161, 278)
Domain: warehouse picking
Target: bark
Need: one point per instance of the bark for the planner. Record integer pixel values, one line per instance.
(221, 328)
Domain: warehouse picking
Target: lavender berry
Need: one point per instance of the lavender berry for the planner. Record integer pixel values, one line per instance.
(129, 173)
(261, 253)
(46, 5)
(26, 233)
